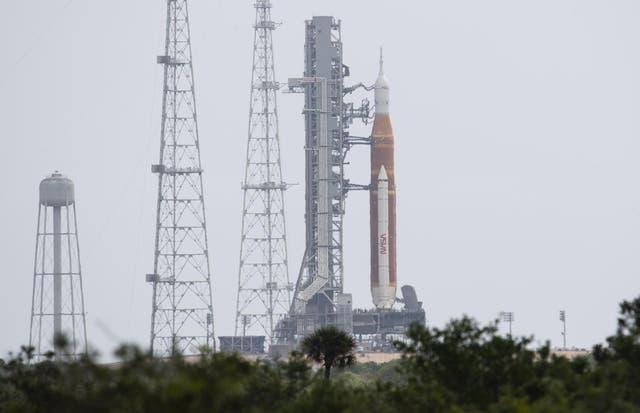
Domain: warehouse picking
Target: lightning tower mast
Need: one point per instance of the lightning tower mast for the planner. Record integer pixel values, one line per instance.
(263, 280)
(182, 310)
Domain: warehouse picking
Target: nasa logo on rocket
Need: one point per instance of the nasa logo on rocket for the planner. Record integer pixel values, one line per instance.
(382, 242)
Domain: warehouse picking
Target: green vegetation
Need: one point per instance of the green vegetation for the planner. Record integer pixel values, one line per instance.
(462, 367)
(331, 347)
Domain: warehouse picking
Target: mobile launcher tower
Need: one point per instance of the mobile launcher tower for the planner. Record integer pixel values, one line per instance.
(319, 299)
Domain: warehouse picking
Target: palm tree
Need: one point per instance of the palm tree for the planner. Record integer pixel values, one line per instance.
(331, 347)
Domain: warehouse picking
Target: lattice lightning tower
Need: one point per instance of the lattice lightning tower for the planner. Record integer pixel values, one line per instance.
(182, 312)
(263, 281)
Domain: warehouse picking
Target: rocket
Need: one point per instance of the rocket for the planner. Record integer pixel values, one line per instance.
(382, 200)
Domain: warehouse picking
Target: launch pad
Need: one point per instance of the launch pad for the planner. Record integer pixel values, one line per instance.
(319, 298)
(374, 329)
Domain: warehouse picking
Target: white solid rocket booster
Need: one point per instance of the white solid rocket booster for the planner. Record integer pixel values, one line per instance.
(383, 293)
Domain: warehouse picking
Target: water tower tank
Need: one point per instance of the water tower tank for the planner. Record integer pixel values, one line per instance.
(56, 190)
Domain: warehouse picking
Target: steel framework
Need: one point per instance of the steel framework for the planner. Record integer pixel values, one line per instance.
(182, 310)
(319, 293)
(321, 272)
(57, 305)
(264, 291)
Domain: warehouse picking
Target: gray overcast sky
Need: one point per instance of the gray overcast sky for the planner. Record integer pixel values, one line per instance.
(516, 151)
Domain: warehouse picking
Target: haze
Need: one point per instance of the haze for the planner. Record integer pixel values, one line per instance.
(516, 152)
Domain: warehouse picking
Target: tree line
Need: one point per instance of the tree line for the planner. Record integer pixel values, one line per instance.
(461, 367)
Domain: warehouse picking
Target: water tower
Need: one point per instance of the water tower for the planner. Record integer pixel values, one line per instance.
(57, 305)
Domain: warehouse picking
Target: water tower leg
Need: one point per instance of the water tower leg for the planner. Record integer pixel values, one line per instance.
(57, 276)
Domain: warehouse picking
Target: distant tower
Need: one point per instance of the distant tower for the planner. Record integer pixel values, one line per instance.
(57, 304)
(264, 292)
(182, 310)
(563, 318)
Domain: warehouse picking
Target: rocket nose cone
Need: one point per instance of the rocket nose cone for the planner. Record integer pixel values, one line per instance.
(382, 175)
(381, 94)
(381, 82)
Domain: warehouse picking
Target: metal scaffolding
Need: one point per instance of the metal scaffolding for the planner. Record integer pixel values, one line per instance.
(321, 273)
(319, 298)
(264, 291)
(182, 310)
